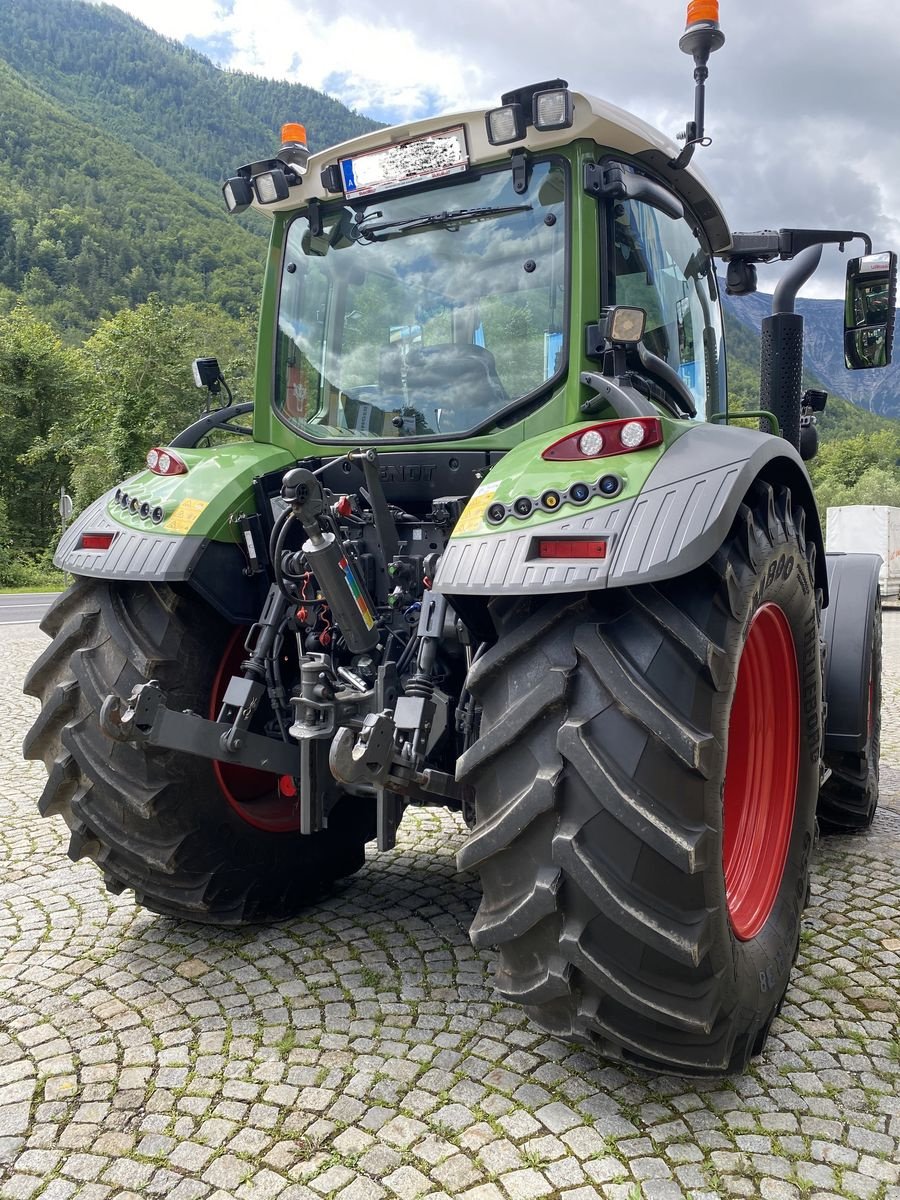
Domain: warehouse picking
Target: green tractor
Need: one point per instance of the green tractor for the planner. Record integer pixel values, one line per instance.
(494, 545)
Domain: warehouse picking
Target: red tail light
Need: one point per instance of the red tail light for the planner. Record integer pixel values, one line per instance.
(96, 541)
(606, 439)
(571, 548)
(165, 462)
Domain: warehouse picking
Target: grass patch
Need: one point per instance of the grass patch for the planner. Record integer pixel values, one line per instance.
(56, 586)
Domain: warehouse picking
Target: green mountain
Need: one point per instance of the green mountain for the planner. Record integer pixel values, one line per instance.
(169, 103)
(841, 418)
(823, 347)
(113, 144)
(88, 225)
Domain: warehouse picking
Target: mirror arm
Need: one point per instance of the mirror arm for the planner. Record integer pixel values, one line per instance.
(770, 244)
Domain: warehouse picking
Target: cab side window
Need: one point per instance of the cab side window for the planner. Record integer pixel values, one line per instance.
(660, 266)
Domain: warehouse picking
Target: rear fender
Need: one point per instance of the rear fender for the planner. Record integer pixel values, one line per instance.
(195, 543)
(675, 523)
(848, 629)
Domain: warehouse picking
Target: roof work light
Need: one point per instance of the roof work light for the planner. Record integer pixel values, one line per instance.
(553, 110)
(271, 186)
(238, 194)
(547, 105)
(506, 124)
(271, 179)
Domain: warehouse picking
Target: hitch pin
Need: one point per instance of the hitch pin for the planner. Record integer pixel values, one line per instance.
(353, 679)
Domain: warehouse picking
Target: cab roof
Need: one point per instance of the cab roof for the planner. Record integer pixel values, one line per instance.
(612, 128)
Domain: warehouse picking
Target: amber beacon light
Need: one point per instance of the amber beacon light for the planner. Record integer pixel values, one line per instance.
(702, 10)
(701, 37)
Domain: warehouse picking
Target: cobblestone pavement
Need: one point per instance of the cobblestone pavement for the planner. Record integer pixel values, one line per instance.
(360, 1053)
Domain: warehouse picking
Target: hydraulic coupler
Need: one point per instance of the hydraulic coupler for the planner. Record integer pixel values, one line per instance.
(350, 604)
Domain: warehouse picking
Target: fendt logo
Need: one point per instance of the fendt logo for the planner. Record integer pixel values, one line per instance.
(399, 474)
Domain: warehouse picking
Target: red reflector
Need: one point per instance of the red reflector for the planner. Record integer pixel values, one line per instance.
(287, 787)
(96, 541)
(572, 548)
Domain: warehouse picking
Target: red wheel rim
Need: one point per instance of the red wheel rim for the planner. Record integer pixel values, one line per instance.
(263, 800)
(761, 771)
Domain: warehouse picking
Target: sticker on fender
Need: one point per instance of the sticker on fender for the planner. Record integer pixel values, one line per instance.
(185, 515)
(472, 516)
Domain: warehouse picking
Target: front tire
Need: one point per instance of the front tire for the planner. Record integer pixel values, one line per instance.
(190, 841)
(611, 866)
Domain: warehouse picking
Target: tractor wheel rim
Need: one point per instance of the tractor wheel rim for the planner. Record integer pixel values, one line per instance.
(761, 771)
(263, 800)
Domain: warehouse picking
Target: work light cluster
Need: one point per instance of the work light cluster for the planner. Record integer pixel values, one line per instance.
(139, 508)
(551, 500)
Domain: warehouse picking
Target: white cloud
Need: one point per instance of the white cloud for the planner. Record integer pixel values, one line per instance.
(802, 100)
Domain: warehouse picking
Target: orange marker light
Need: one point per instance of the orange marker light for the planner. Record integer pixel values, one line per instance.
(702, 10)
(293, 131)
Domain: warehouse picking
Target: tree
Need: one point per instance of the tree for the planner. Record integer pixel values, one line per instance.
(140, 390)
(843, 463)
(42, 384)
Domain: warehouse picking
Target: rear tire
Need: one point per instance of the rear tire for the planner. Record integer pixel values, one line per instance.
(599, 776)
(154, 820)
(849, 798)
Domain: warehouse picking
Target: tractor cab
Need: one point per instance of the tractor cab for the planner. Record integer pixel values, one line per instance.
(447, 281)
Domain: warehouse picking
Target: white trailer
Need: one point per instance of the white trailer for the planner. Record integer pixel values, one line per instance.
(868, 529)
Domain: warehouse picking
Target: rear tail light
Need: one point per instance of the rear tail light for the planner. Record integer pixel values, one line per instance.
(96, 541)
(165, 462)
(571, 547)
(605, 439)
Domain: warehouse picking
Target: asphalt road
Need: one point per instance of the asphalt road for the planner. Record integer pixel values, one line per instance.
(25, 607)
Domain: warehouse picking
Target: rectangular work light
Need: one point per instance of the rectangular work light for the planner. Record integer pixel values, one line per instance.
(506, 124)
(553, 110)
(238, 194)
(271, 186)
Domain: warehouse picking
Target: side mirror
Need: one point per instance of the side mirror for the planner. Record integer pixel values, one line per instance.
(869, 305)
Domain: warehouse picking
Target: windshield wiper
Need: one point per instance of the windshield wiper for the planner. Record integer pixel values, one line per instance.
(446, 220)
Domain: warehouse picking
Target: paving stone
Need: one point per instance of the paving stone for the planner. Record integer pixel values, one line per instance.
(408, 1183)
(558, 1117)
(380, 1160)
(500, 1156)
(526, 1185)
(227, 1172)
(127, 1173)
(361, 1189)
(565, 1172)
(456, 1173)
(20, 1187)
(484, 1191)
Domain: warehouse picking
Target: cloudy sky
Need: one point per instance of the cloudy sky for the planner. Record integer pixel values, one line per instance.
(803, 102)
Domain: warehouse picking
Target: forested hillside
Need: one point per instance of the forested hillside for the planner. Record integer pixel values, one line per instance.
(88, 225)
(168, 102)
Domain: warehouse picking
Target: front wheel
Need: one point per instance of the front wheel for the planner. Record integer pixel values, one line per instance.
(191, 837)
(646, 779)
